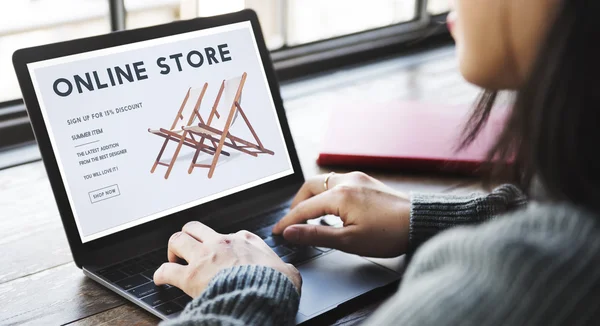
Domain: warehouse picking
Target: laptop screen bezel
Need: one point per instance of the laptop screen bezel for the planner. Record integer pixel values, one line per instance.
(23, 57)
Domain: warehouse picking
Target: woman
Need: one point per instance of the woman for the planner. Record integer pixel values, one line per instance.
(523, 264)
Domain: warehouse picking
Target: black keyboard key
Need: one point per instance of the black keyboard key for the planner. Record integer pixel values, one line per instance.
(105, 270)
(132, 269)
(132, 282)
(282, 251)
(264, 232)
(145, 290)
(113, 275)
(158, 259)
(270, 242)
(276, 215)
(302, 256)
(149, 273)
(294, 247)
(271, 218)
(323, 249)
(183, 301)
(274, 241)
(159, 252)
(121, 265)
(156, 253)
(146, 264)
(161, 296)
(169, 308)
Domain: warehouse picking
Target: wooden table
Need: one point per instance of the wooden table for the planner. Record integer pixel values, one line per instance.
(40, 285)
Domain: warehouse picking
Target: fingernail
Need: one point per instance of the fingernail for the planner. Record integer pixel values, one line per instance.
(291, 234)
(273, 230)
(156, 273)
(191, 223)
(174, 236)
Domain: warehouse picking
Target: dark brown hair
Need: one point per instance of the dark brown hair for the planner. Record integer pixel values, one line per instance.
(553, 131)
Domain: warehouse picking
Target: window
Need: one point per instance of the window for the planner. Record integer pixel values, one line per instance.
(436, 7)
(314, 20)
(288, 23)
(285, 23)
(33, 22)
(304, 35)
(310, 35)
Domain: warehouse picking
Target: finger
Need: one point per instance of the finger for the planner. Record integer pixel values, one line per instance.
(247, 235)
(317, 235)
(169, 273)
(182, 245)
(314, 186)
(200, 231)
(317, 206)
(307, 190)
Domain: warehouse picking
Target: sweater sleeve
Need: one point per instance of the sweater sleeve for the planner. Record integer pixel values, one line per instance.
(433, 213)
(243, 295)
(538, 266)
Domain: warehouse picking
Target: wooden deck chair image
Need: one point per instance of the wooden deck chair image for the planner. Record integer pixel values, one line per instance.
(216, 130)
(179, 136)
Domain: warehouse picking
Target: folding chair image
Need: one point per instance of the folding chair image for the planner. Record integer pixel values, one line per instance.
(180, 136)
(228, 98)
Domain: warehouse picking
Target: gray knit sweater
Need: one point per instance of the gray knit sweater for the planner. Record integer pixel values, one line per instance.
(538, 265)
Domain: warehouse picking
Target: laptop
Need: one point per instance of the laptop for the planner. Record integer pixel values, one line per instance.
(144, 130)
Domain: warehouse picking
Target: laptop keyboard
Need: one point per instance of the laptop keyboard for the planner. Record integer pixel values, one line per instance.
(290, 253)
(135, 275)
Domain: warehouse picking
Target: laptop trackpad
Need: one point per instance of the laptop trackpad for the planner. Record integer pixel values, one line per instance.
(336, 278)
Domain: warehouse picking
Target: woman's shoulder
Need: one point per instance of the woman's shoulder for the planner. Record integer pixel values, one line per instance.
(560, 219)
(546, 234)
(536, 266)
(543, 220)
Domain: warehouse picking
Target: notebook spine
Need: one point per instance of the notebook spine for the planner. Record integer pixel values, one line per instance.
(403, 164)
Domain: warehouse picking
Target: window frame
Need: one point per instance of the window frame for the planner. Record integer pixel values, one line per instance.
(290, 62)
(15, 129)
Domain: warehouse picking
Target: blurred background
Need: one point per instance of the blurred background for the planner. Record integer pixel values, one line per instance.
(287, 24)
(310, 41)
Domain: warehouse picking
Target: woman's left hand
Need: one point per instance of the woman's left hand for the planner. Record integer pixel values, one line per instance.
(208, 252)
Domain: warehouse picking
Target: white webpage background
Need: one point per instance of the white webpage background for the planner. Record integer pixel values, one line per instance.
(145, 196)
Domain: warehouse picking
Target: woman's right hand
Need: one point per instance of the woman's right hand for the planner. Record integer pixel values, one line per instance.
(376, 217)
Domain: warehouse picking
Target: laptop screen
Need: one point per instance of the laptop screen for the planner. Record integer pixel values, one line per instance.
(147, 129)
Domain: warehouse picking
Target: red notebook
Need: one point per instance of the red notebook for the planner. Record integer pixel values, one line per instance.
(407, 136)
